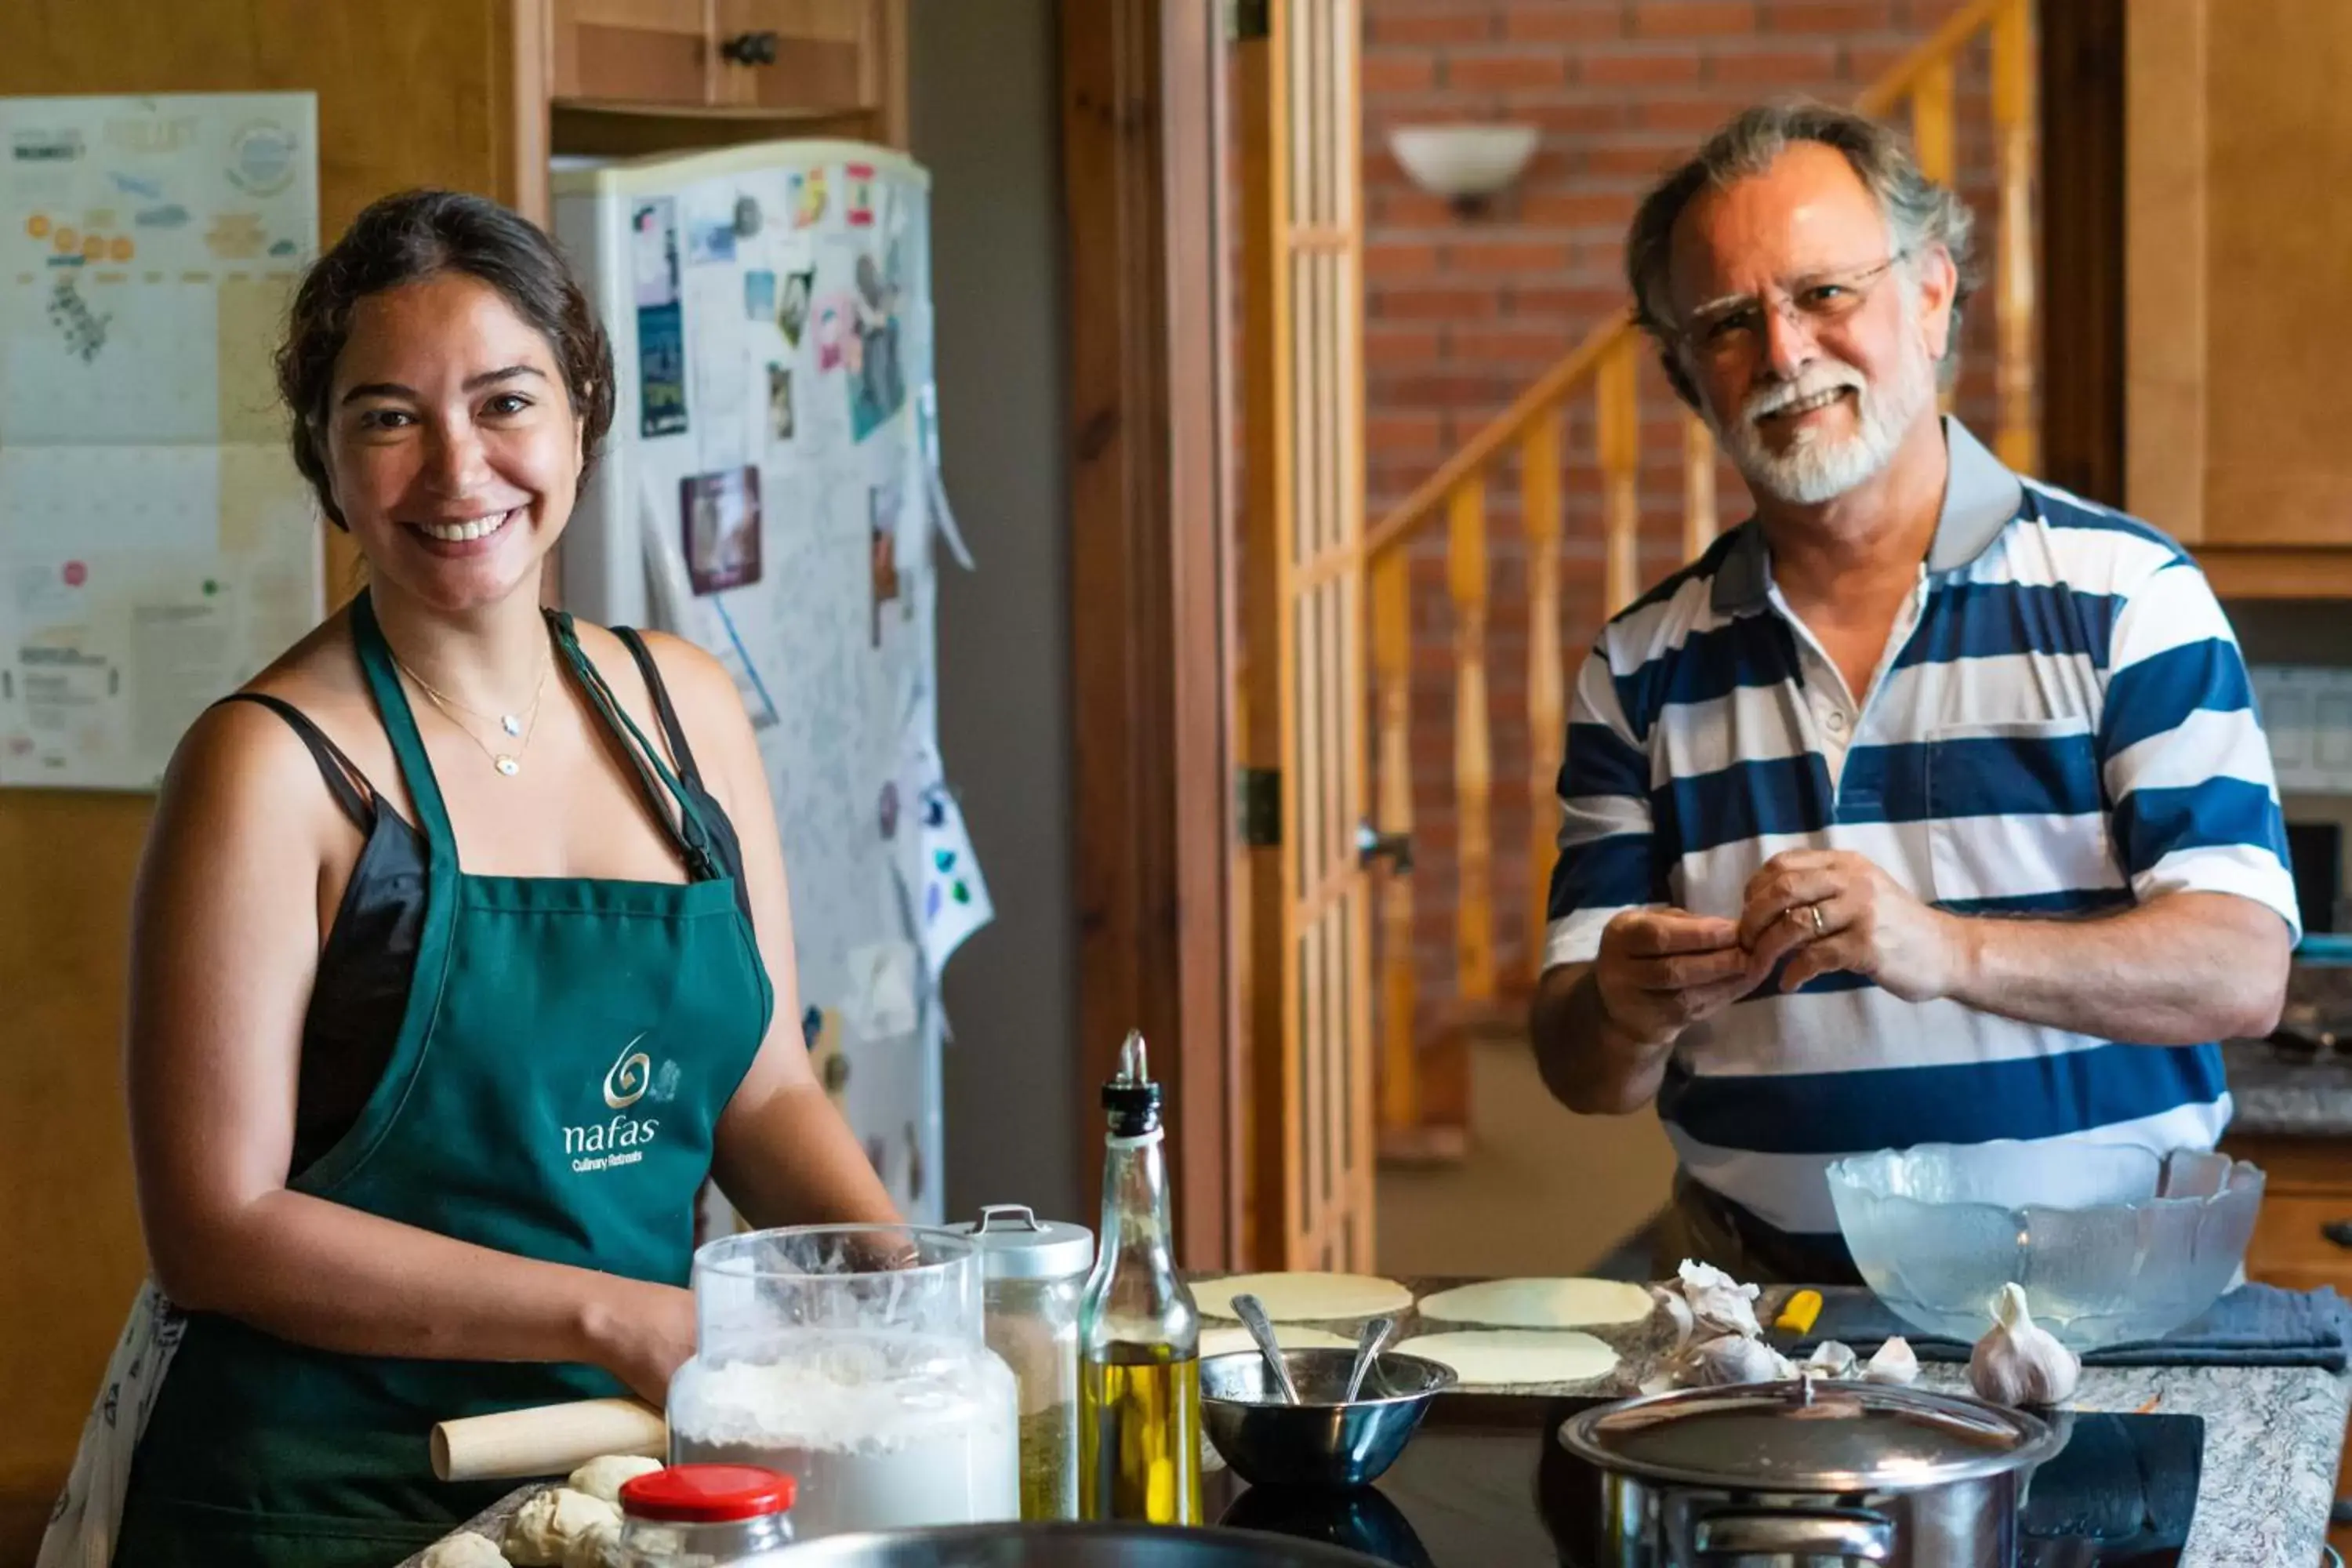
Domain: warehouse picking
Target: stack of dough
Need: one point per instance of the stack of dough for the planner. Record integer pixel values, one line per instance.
(1527, 1335)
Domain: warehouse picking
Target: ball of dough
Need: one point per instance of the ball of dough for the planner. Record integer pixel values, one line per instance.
(599, 1546)
(602, 1478)
(465, 1549)
(549, 1521)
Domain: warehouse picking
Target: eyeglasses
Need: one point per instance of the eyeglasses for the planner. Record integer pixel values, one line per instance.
(1733, 331)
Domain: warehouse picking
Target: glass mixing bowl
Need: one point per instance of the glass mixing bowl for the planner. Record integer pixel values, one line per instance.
(2143, 1244)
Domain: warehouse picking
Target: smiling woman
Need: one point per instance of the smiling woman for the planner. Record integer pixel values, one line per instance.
(352, 1236)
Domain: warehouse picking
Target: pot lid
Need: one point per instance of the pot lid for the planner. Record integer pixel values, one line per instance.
(1809, 1436)
(1014, 1243)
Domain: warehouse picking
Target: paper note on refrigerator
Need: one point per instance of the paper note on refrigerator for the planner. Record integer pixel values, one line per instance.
(950, 898)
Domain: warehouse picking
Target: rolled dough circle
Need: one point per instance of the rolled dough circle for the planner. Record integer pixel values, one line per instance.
(1230, 1339)
(1305, 1297)
(1516, 1358)
(1539, 1303)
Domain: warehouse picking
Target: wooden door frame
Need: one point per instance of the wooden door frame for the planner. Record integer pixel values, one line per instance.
(1142, 96)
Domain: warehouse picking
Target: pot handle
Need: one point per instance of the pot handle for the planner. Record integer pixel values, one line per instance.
(1851, 1533)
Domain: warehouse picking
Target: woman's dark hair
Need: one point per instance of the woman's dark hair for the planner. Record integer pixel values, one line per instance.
(417, 235)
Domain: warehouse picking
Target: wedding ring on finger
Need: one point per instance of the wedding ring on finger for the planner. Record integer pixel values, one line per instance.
(1821, 928)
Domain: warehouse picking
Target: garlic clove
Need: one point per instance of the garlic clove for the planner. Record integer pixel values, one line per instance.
(1735, 1358)
(1832, 1359)
(1895, 1361)
(2018, 1361)
(1678, 1316)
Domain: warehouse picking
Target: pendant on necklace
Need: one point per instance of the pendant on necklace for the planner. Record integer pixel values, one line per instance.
(511, 725)
(505, 764)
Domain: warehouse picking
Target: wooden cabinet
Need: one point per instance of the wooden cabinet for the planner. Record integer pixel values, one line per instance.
(806, 59)
(2307, 1188)
(2237, 131)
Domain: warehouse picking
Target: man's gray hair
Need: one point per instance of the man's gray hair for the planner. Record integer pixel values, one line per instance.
(1920, 214)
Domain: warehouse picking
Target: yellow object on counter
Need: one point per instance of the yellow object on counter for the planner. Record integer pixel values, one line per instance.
(1796, 1314)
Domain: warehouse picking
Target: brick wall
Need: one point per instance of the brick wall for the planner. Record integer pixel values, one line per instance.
(1463, 313)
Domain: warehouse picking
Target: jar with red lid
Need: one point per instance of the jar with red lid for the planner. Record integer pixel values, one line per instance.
(704, 1516)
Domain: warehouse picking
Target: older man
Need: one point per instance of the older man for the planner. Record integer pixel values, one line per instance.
(1928, 806)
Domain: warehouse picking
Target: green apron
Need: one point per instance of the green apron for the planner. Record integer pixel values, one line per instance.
(567, 1048)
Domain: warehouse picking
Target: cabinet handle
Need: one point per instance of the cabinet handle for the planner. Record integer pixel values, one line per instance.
(2338, 1231)
(751, 49)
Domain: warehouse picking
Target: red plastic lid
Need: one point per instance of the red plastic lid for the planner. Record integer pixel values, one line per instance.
(707, 1494)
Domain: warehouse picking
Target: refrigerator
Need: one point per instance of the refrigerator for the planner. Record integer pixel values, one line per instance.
(770, 491)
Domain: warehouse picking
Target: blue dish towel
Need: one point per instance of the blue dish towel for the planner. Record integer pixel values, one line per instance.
(2254, 1325)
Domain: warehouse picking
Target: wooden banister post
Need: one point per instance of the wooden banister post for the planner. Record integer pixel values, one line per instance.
(1400, 1076)
(2012, 115)
(1546, 713)
(1473, 766)
(1617, 398)
(1700, 520)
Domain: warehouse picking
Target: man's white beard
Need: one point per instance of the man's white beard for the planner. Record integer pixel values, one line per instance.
(1817, 467)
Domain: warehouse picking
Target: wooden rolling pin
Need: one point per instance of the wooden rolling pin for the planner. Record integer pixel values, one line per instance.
(546, 1439)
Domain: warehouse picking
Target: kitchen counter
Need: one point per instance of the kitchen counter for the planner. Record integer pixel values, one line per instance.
(2274, 1436)
(2278, 1097)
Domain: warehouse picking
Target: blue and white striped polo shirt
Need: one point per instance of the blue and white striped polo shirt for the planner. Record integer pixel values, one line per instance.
(2063, 724)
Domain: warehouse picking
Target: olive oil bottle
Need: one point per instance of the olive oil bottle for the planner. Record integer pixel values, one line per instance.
(1139, 1330)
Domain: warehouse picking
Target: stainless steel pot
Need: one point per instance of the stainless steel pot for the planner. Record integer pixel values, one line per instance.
(1779, 1474)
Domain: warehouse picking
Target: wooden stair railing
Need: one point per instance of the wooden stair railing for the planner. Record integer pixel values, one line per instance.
(1606, 367)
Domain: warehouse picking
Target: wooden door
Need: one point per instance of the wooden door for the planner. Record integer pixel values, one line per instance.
(1302, 570)
(644, 52)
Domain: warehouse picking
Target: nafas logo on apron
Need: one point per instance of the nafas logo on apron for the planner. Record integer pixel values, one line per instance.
(624, 1084)
(619, 1142)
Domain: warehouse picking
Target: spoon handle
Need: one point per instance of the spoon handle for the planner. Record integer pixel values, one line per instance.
(1374, 1335)
(1253, 1316)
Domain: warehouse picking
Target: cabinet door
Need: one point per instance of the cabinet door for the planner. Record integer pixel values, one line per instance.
(652, 52)
(802, 57)
(2239, 135)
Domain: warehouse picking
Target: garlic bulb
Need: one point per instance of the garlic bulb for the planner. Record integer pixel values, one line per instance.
(1733, 1358)
(1720, 1303)
(1831, 1358)
(2018, 1363)
(1895, 1361)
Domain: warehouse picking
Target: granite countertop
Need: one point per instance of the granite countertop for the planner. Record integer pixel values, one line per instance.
(2280, 1096)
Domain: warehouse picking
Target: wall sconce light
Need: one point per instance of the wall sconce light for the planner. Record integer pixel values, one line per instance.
(1467, 164)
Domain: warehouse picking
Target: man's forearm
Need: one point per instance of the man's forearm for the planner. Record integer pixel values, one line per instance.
(1587, 1063)
(2182, 970)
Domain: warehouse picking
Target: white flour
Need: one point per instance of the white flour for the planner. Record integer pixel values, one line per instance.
(881, 1431)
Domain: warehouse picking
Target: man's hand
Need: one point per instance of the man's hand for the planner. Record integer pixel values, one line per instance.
(1836, 911)
(1661, 971)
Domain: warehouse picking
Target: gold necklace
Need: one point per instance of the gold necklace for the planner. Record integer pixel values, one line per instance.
(508, 763)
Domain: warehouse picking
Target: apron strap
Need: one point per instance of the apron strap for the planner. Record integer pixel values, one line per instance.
(407, 743)
(661, 786)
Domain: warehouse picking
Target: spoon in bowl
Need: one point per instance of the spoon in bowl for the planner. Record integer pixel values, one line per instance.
(1374, 1335)
(1251, 1312)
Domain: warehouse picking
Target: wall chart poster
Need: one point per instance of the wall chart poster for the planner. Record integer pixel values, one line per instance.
(157, 546)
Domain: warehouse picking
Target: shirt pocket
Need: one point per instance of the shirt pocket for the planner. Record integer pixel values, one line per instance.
(2017, 815)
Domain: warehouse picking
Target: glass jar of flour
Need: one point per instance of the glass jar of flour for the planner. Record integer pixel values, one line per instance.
(1037, 1273)
(851, 1358)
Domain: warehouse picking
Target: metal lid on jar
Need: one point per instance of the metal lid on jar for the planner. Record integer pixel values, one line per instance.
(1804, 1436)
(707, 1494)
(1014, 1243)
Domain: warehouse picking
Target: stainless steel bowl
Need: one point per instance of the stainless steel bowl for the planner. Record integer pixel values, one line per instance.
(1067, 1546)
(1319, 1441)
